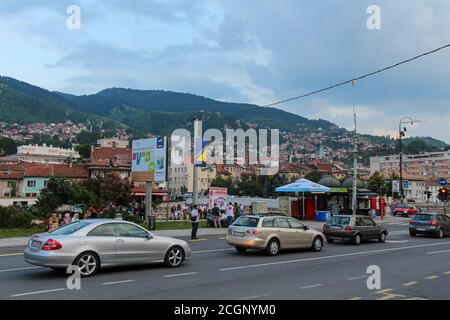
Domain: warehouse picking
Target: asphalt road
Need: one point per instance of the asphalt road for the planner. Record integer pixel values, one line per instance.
(411, 268)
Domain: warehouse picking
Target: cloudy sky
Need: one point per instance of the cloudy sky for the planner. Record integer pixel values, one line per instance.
(255, 51)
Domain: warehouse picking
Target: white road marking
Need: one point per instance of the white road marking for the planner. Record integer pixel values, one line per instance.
(253, 297)
(36, 292)
(11, 255)
(311, 286)
(396, 233)
(358, 278)
(116, 282)
(212, 250)
(333, 256)
(180, 275)
(19, 269)
(397, 241)
(435, 252)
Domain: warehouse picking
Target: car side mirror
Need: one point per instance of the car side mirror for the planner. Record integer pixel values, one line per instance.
(306, 228)
(149, 236)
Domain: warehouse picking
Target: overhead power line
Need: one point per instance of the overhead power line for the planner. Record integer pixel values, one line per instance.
(358, 78)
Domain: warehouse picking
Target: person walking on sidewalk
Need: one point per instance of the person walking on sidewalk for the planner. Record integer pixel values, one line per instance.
(229, 214)
(216, 216)
(195, 221)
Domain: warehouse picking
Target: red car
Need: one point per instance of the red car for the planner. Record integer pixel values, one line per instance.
(404, 210)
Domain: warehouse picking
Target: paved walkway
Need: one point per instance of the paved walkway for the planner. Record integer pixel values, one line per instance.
(21, 242)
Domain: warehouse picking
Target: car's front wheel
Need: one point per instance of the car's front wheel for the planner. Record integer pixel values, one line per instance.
(87, 263)
(273, 247)
(174, 257)
(382, 237)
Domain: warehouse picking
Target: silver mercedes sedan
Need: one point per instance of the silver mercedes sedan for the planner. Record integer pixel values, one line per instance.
(91, 244)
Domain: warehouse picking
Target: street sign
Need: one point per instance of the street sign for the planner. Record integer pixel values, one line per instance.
(395, 186)
(443, 182)
(405, 184)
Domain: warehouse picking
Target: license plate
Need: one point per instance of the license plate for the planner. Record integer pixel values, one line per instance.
(335, 228)
(420, 229)
(238, 234)
(35, 244)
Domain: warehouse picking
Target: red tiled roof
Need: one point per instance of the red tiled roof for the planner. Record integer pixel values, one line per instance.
(74, 171)
(101, 153)
(11, 175)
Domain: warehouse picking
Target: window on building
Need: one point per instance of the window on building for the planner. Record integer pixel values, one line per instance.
(31, 184)
(12, 184)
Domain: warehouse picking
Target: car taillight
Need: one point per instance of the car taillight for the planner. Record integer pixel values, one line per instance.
(348, 229)
(325, 227)
(51, 245)
(256, 232)
(433, 223)
(411, 221)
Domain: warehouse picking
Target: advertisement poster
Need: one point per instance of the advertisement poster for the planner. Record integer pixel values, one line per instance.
(218, 196)
(150, 156)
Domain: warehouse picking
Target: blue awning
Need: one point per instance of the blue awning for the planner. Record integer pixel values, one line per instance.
(304, 185)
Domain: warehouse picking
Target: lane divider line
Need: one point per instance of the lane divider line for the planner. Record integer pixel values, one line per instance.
(11, 255)
(431, 277)
(409, 284)
(116, 282)
(358, 278)
(19, 269)
(36, 292)
(436, 252)
(318, 285)
(180, 275)
(333, 256)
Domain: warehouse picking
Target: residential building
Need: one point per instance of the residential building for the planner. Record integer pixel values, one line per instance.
(105, 160)
(181, 178)
(432, 165)
(45, 154)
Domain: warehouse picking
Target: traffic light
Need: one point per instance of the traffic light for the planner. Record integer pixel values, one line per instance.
(443, 194)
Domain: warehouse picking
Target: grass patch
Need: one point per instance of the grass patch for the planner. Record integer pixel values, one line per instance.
(20, 232)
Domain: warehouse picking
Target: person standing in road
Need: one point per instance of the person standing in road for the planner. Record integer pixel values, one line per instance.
(229, 213)
(195, 221)
(216, 216)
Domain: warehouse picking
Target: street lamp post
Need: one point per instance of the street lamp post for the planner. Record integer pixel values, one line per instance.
(402, 133)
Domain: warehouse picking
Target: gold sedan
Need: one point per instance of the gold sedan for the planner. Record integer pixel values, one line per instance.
(272, 234)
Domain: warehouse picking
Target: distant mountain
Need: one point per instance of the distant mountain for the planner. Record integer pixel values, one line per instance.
(163, 110)
(24, 103)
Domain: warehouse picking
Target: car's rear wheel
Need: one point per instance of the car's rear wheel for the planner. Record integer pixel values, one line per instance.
(317, 244)
(87, 263)
(241, 250)
(357, 239)
(273, 247)
(174, 257)
(440, 233)
(382, 237)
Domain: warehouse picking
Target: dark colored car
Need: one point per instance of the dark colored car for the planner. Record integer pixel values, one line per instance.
(432, 224)
(354, 228)
(404, 210)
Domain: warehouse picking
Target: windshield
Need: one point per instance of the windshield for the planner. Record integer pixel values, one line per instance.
(339, 221)
(70, 228)
(251, 222)
(403, 206)
(423, 217)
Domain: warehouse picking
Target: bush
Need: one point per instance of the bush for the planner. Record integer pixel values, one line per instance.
(15, 218)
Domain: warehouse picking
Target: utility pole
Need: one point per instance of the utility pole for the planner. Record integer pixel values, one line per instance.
(355, 158)
(402, 133)
(198, 144)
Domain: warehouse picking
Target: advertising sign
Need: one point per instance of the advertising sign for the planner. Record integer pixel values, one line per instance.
(218, 196)
(150, 156)
(396, 186)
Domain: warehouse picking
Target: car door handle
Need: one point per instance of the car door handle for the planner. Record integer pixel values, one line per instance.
(120, 241)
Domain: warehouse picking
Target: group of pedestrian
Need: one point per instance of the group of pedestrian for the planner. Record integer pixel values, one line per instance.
(58, 220)
(184, 212)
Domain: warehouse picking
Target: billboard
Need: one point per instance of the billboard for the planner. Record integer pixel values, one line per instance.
(218, 196)
(149, 160)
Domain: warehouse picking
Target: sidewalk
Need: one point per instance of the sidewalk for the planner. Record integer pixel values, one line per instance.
(22, 242)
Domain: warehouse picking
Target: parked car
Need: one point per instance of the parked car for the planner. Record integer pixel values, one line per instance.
(272, 234)
(354, 228)
(437, 225)
(91, 244)
(404, 210)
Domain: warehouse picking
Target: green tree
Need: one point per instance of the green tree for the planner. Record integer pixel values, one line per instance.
(224, 182)
(313, 176)
(84, 150)
(249, 186)
(110, 190)
(377, 183)
(7, 146)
